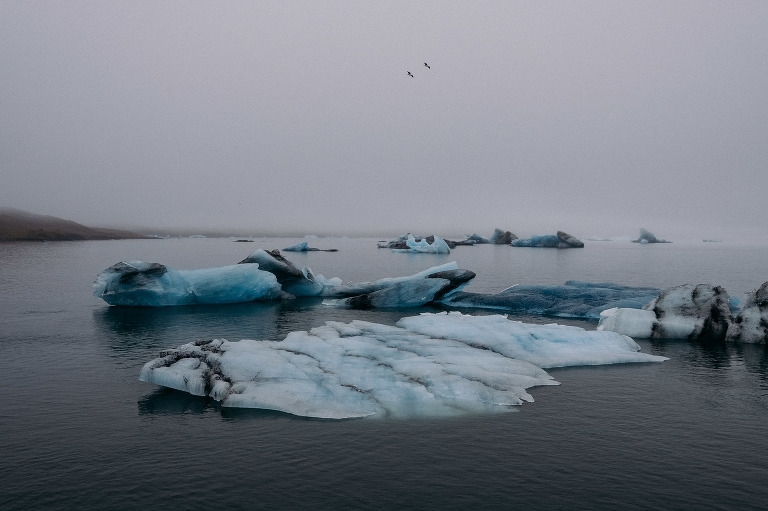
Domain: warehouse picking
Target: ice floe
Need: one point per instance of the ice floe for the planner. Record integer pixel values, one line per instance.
(428, 365)
(574, 299)
(690, 311)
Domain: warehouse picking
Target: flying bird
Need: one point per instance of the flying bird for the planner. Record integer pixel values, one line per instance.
(427, 66)
(409, 74)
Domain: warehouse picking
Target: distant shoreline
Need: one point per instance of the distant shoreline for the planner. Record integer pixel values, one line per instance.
(21, 226)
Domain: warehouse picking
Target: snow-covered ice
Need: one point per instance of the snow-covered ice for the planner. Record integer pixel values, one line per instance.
(429, 365)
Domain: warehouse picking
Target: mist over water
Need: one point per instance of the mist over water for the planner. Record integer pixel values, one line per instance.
(596, 118)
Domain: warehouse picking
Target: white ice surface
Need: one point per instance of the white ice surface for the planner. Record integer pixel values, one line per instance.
(637, 323)
(428, 365)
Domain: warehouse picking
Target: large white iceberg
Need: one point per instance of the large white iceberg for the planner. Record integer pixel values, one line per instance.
(429, 365)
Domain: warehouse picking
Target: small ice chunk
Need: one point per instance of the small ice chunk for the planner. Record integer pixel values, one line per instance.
(636, 323)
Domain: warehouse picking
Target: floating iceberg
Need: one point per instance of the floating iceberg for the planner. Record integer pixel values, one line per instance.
(694, 312)
(648, 237)
(636, 323)
(411, 292)
(574, 299)
(266, 275)
(559, 240)
(429, 365)
(476, 239)
(137, 283)
(304, 247)
(424, 246)
(292, 280)
(500, 237)
(751, 323)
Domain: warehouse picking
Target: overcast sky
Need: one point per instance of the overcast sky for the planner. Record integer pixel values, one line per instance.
(592, 117)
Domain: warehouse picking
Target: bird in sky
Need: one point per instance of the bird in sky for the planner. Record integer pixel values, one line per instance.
(427, 66)
(409, 74)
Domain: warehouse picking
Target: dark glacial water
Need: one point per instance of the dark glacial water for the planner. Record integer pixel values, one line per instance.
(79, 431)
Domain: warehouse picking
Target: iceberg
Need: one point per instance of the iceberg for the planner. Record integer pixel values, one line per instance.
(292, 280)
(424, 246)
(476, 239)
(691, 311)
(137, 283)
(304, 247)
(411, 292)
(267, 275)
(751, 323)
(434, 365)
(636, 323)
(500, 237)
(648, 237)
(559, 240)
(574, 299)
(700, 311)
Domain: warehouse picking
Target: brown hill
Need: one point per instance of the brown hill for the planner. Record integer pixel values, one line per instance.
(18, 225)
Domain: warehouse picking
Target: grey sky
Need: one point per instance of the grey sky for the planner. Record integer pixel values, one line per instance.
(596, 118)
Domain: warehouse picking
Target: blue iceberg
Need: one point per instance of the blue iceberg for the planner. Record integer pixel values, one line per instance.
(304, 247)
(574, 299)
(414, 291)
(267, 275)
(432, 245)
(559, 240)
(137, 283)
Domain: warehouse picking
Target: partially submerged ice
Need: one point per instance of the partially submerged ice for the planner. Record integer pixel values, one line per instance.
(689, 311)
(137, 283)
(304, 247)
(501, 237)
(692, 311)
(291, 279)
(411, 292)
(266, 275)
(559, 240)
(574, 299)
(751, 323)
(429, 365)
(648, 237)
(436, 245)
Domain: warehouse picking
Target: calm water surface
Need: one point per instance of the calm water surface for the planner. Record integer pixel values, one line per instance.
(79, 431)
